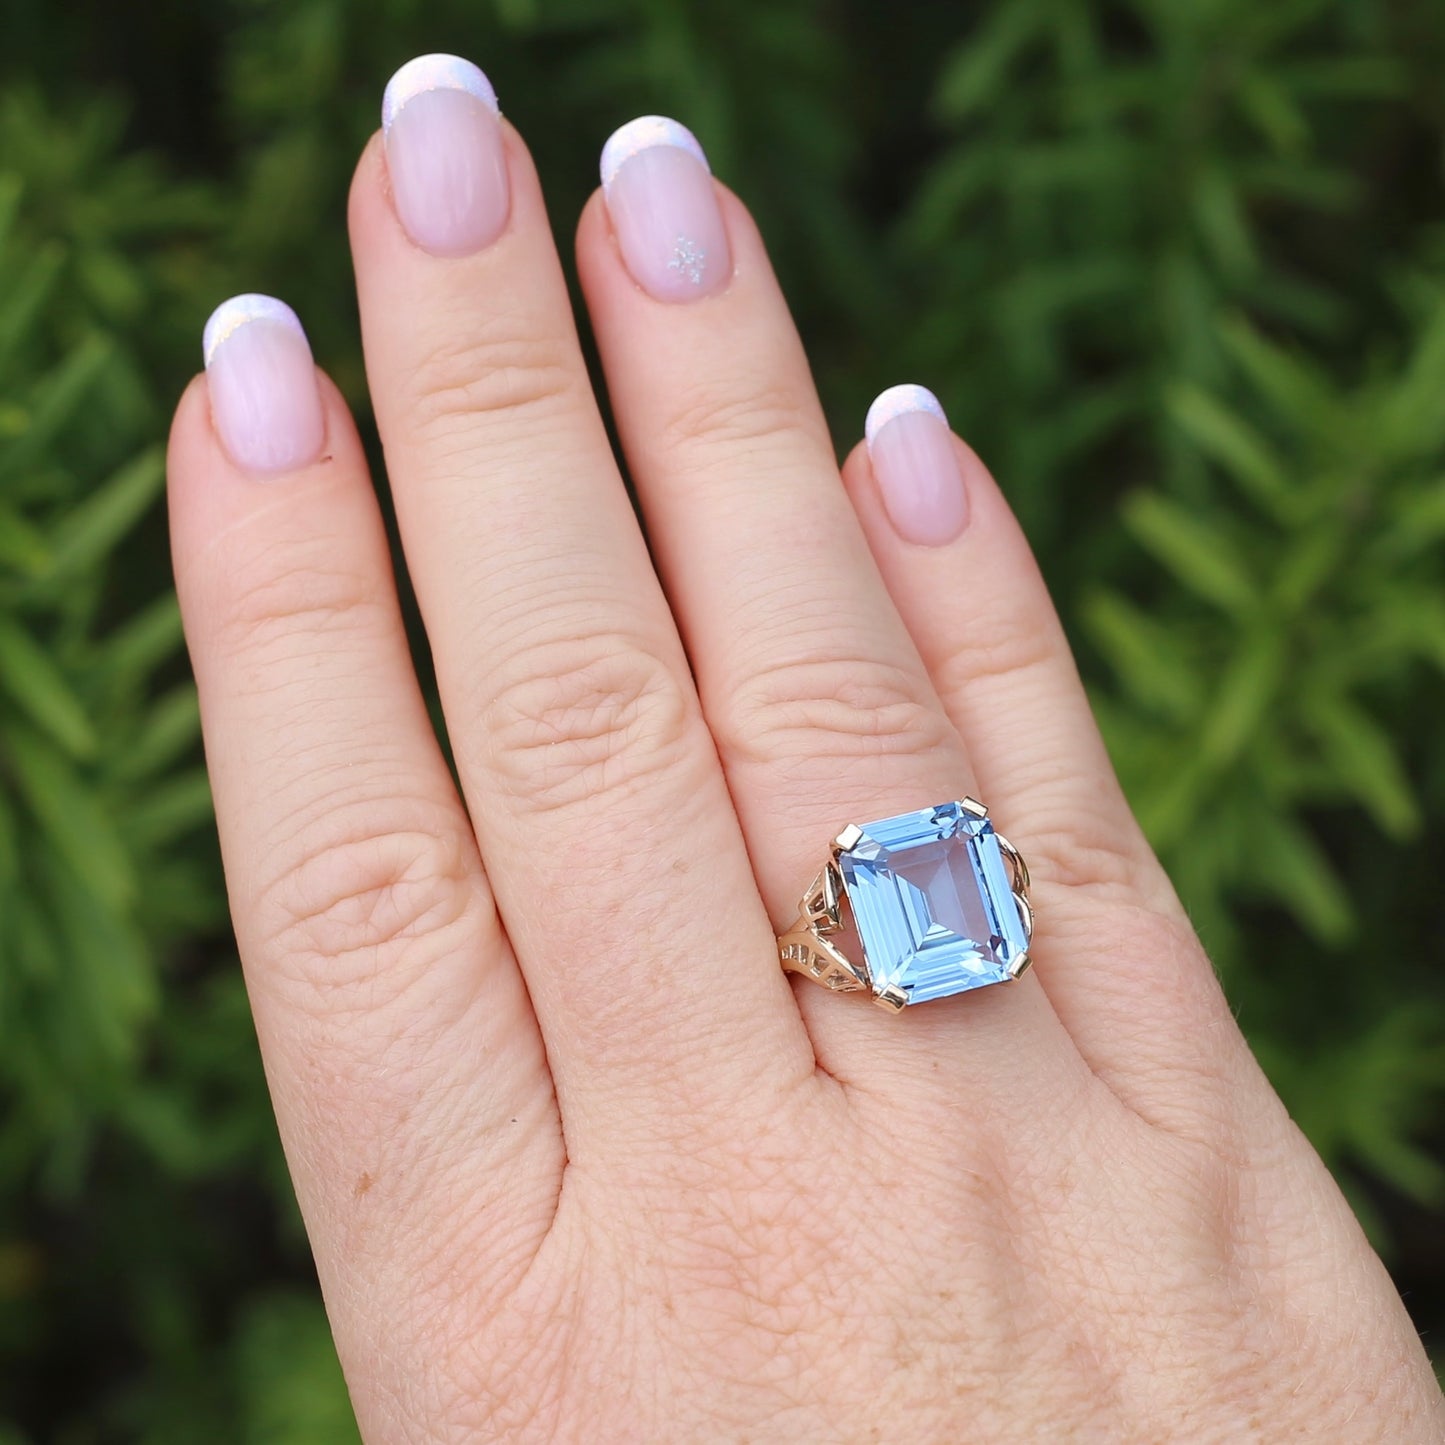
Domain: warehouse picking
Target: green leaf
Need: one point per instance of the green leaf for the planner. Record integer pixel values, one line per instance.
(975, 72)
(520, 15)
(107, 965)
(9, 848)
(1230, 441)
(171, 729)
(1244, 696)
(1364, 75)
(37, 686)
(26, 297)
(1291, 864)
(1411, 421)
(147, 641)
(11, 190)
(1391, 1071)
(288, 1376)
(1420, 524)
(59, 397)
(1147, 655)
(1363, 759)
(1273, 112)
(1426, 631)
(21, 545)
(1222, 222)
(1195, 551)
(1310, 568)
(1174, 802)
(1265, 179)
(1407, 1166)
(71, 818)
(173, 809)
(90, 530)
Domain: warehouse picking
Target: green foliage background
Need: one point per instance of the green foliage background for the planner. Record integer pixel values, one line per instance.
(1177, 268)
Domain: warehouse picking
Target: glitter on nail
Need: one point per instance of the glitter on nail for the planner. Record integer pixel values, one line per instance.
(689, 259)
(898, 401)
(434, 72)
(230, 316)
(642, 134)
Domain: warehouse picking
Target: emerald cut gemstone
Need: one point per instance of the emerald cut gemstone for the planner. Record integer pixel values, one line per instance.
(933, 903)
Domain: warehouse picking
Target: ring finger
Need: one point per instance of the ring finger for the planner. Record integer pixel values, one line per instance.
(821, 707)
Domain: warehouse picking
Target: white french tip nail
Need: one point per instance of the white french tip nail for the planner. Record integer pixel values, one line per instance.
(898, 401)
(642, 134)
(261, 380)
(434, 72)
(239, 311)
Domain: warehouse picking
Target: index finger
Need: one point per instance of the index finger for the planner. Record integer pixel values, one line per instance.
(398, 1041)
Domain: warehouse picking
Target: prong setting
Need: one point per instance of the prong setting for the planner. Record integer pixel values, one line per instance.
(890, 997)
(850, 837)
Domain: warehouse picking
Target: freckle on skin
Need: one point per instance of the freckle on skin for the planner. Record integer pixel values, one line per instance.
(363, 1183)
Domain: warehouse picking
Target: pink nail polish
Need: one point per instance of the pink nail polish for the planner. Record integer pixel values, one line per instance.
(444, 151)
(265, 403)
(664, 210)
(913, 458)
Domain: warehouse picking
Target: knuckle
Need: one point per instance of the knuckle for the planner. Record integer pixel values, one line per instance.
(1002, 643)
(1082, 836)
(594, 713)
(358, 897)
(1078, 847)
(301, 594)
(498, 368)
(831, 708)
(738, 416)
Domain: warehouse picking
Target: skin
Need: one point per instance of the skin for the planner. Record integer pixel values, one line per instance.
(577, 1160)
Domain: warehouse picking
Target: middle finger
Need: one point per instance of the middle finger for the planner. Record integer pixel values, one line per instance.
(592, 782)
(823, 711)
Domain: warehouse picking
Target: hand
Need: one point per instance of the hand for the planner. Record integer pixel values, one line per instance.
(578, 1161)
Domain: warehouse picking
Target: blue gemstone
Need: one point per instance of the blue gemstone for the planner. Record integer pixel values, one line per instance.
(933, 903)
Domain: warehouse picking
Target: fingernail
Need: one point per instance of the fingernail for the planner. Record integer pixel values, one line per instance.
(265, 403)
(444, 150)
(664, 210)
(913, 458)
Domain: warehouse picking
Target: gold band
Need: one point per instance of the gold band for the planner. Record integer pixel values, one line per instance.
(805, 948)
